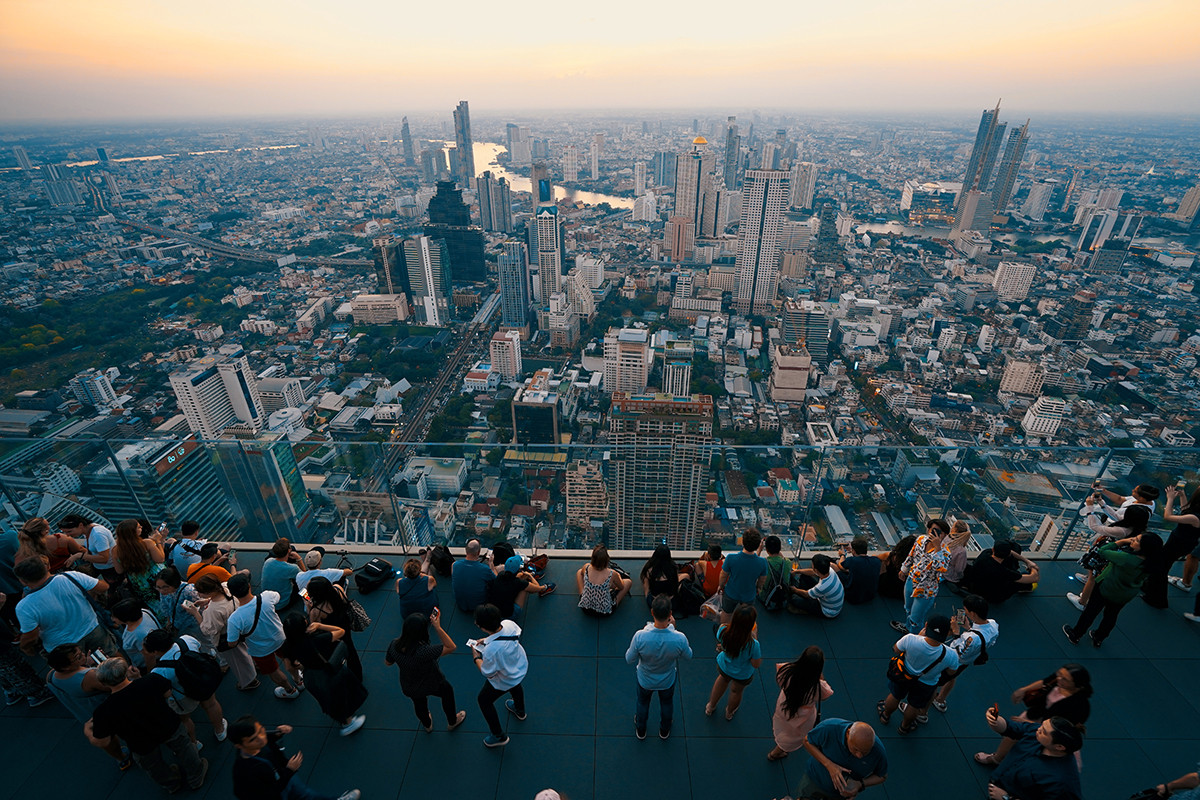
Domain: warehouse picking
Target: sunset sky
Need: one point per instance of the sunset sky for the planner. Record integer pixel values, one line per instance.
(114, 59)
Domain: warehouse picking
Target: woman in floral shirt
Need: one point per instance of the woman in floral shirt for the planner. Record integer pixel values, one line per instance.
(922, 572)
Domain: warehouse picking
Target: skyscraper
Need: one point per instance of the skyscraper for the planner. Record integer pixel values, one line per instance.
(764, 196)
(427, 262)
(1014, 151)
(986, 141)
(806, 323)
(389, 271)
(639, 178)
(549, 252)
(513, 275)
(263, 485)
(570, 163)
(733, 154)
(1188, 206)
(679, 238)
(662, 167)
(791, 366)
(693, 181)
(627, 360)
(495, 203)
(541, 185)
(520, 144)
(22, 158)
(597, 146)
(217, 391)
(505, 352)
(1038, 201)
(450, 220)
(658, 470)
(804, 184)
(407, 143)
(465, 145)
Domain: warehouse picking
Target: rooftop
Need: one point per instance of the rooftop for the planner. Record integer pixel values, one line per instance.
(579, 739)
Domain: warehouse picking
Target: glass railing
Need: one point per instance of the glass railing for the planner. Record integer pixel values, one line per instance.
(687, 495)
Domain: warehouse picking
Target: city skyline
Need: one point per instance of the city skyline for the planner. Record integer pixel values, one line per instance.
(68, 60)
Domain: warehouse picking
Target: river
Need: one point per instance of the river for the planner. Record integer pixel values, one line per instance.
(485, 161)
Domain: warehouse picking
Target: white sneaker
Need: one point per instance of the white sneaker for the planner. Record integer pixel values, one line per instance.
(1075, 601)
(284, 694)
(353, 794)
(1081, 577)
(354, 724)
(1179, 584)
(1192, 617)
(224, 731)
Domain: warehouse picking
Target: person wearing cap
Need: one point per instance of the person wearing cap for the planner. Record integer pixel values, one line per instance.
(312, 569)
(996, 574)
(508, 592)
(1040, 765)
(925, 659)
(98, 544)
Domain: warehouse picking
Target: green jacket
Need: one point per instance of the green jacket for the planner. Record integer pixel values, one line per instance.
(1122, 577)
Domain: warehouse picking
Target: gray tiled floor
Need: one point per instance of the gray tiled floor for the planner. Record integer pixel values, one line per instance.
(579, 737)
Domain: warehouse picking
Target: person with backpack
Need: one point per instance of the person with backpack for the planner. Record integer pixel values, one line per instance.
(974, 637)
(256, 623)
(775, 591)
(194, 675)
(819, 591)
(920, 660)
(186, 550)
(503, 663)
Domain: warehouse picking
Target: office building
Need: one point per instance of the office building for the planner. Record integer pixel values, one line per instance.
(263, 483)
(658, 470)
(22, 158)
(379, 309)
(570, 163)
(733, 155)
(515, 297)
(791, 366)
(549, 253)
(170, 481)
(1006, 177)
(639, 178)
(1013, 281)
(1188, 206)
(535, 410)
(505, 351)
(1038, 200)
(389, 266)
(495, 203)
(693, 182)
(450, 220)
(61, 190)
(427, 263)
(983, 153)
(215, 392)
(662, 168)
(804, 185)
(1044, 417)
(1110, 257)
(677, 375)
(279, 393)
(974, 212)
(1022, 377)
(406, 142)
(93, 388)
(807, 324)
(764, 196)
(627, 360)
(464, 145)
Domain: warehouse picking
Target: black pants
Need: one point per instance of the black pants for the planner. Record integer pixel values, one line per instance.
(421, 705)
(1176, 547)
(488, 696)
(1096, 604)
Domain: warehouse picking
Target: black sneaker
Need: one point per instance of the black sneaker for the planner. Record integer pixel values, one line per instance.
(1096, 640)
(898, 626)
(639, 733)
(1072, 638)
(664, 735)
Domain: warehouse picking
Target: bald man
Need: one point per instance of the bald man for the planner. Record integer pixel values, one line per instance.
(846, 758)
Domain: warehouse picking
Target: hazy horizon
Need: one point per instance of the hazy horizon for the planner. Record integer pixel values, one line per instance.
(71, 61)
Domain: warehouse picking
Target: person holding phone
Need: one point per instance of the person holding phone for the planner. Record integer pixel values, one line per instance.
(263, 771)
(420, 675)
(1039, 766)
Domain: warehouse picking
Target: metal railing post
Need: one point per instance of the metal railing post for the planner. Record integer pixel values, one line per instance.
(954, 483)
(112, 457)
(812, 496)
(1062, 540)
(387, 487)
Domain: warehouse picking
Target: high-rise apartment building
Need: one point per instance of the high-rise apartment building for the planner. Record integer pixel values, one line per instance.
(1006, 177)
(215, 392)
(1044, 417)
(627, 360)
(639, 178)
(764, 196)
(662, 168)
(406, 141)
(1188, 206)
(983, 153)
(804, 185)
(597, 147)
(549, 253)
(389, 265)
(807, 324)
(677, 375)
(505, 351)
(520, 144)
(495, 203)
(791, 366)
(93, 388)
(1013, 280)
(1022, 377)
(733, 154)
(465, 145)
(658, 469)
(570, 163)
(513, 276)
(586, 494)
(427, 263)
(693, 182)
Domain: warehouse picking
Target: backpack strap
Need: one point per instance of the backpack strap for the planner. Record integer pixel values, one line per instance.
(937, 661)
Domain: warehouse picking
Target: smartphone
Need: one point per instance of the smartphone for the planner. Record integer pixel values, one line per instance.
(98, 657)
(1181, 485)
(996, 710)
(304, 593)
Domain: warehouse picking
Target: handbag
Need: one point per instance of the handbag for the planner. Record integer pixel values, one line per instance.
(358, 618)
(896, 672)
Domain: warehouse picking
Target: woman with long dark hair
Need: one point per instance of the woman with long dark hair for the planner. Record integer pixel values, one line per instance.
(660, 575)
(327, 603)
(316, 647)
(1183, 540)
(138, 559)
(739, 655)
(1063, 693)
(420, 675)
(802, 687)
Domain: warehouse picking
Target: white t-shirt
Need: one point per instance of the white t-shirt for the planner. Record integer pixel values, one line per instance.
(268, 636)
(830, 593)
(967, 644)
(302, 578)
(186, 553)
(131, 640)
(919, 655)
(98, 540)
(59, 610)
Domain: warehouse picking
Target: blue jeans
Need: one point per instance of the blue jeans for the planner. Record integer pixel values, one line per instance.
(666, 707)
(916, 609)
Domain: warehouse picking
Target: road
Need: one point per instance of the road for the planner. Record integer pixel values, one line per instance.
(245, 254)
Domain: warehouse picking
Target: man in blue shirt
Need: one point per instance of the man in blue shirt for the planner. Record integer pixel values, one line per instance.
(471, 578)
(1041, 764)
(655, 649)
(742, 575)
(846, 758)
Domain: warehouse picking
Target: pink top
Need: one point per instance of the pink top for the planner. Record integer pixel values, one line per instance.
(792, 732)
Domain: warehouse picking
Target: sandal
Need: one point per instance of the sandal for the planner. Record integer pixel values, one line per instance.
(986, 759)
(729, 714)
(906, 729)
(708, 710)
(777, 755)
(885, 716)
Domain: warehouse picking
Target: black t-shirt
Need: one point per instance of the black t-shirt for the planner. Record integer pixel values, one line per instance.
(264, 776)
(139, 714)
(420, 675)
(990, 580)
(863, 572)
(504, 590)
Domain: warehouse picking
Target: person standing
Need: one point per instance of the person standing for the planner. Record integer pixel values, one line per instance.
(58, 610)
(1117, 583)
(262, 771)
(256, 624)
(973, 641)
(279, 573)
(139, 560)
(1184, 539)
(210, 554)
(742, 575)
(502, 661)
(35, 539)
(73, 680)
(922, 572)
(136, 710)
(924, 659)
(162, 653)
(218, 605)
(315, 648)
(802, 687)
(655, 651)
(186, 551)
(738, 656)
(420, 675)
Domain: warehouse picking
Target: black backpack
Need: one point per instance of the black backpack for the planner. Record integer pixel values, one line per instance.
(689, 598)
(441, 560)
(776, 595)
(198, 674)
(372, 575)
